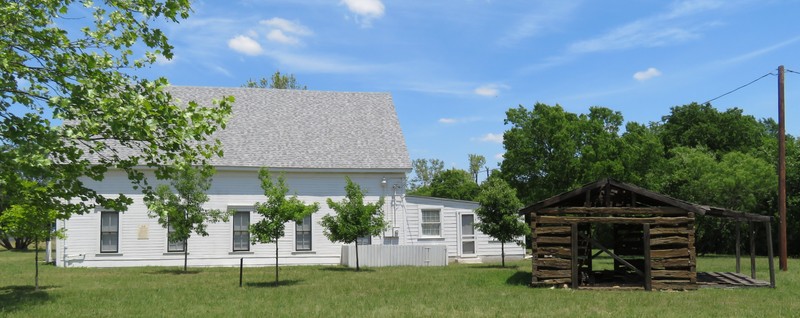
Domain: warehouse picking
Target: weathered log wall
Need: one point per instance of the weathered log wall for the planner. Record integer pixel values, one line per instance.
(669, 251)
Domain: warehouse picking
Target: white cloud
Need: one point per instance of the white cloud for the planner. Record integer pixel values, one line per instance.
(365, 10)
(284, 31)
(670, 27)
(161, 60)
(759, 52)
(450, 121)
(490, 137)
(546, 16)
(280, 37)
(637, 34)
(689, 7)
(647, 74)
(320, 64)
(293, 27)
(500, 156)
(486, 91)
(490, 90)
(219, 69)
(245, 44)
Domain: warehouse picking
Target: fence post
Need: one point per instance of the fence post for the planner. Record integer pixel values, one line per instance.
(241, 267)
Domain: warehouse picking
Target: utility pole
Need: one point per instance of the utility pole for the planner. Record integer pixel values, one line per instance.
(782, 172)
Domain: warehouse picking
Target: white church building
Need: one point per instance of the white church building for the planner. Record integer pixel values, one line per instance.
(315, 139)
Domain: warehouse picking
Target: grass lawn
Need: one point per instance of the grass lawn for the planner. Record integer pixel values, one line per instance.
(455, 290)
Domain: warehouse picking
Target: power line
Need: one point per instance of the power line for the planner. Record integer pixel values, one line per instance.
(740, 87)
(790, 71)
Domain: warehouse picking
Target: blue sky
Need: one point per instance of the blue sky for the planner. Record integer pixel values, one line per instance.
(455, 67)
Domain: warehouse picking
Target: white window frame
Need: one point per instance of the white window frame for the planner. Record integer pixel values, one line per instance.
(104, 233)
(423, 223)
(364, 240)
(310, 233)
(234, 230)
(171, 246)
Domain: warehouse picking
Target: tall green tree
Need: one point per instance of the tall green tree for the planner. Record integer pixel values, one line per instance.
(276, 81)
(541, 151)
(702, 125)
(353, 217)
(180, 207)
(454, 184)
(499, 213)
(640, 153)
(424, 171)
(476, 162)
(276, 212)
(81, 76)
(599, 148)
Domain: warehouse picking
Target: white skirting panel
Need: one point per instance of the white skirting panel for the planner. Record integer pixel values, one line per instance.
(395, 255)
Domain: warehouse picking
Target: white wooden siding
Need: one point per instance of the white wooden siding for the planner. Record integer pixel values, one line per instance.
(143, 242)
(485, 246)
(229, 188)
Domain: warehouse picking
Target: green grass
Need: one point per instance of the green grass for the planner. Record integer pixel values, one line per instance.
(330, 291)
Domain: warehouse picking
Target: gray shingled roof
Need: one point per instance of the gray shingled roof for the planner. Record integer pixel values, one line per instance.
(306, 129)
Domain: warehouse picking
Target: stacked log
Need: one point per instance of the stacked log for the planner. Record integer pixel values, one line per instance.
(672, 255)
(552, 253)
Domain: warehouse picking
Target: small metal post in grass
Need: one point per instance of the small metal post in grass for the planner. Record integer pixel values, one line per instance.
(241, 267)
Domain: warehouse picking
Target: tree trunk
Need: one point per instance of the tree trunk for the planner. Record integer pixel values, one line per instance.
(357, 267)
(5, 242)
(185, 255)
(276, 263)
(36, 280)
(21, 244)
(503, 253)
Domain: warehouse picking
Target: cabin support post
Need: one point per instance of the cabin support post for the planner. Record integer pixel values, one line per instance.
(768, 227)
(738, 246)
(534, 249)
(574, 253)
(648, 277)
(690, 227)
(752, 250)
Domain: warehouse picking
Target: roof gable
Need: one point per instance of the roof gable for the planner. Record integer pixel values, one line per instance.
(643, 196)
(306, 129)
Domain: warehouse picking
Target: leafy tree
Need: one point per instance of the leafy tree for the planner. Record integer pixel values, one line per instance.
(701, 125)
(31, 222)
(476, 162)
(792, 195)
(353, 217)
(109, 118)
(736, 181)
(27, 218)
(641, 152)
(276, 212)
(599, 148)
(541, 147)
(424, 171)
(19, 242)
(498, 213)
(454, 184)
(182, 210)
(277, 81)
(695, 153)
